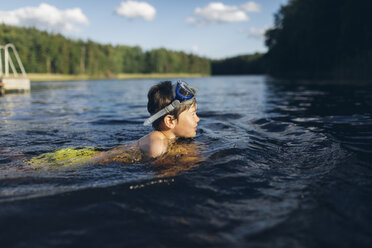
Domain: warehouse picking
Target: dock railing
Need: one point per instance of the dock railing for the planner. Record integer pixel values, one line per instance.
(12, 81)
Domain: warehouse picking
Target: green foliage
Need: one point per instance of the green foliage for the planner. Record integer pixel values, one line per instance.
(318, 39)
(43, 52)
(165, 61)
(244, 64)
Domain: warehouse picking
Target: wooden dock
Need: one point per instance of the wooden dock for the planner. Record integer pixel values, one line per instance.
(16, 84)
(12, 82)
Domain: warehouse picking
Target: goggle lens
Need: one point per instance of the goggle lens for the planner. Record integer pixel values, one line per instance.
(183, 91)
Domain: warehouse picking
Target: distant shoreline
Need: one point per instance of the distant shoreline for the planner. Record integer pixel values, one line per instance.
(45, 77)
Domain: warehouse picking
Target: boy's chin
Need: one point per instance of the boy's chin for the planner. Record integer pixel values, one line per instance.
(189, 136)
(192, 135)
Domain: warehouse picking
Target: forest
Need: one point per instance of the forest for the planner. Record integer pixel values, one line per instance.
(43, 52)
(243, 64)
(318, 39)
(310, 39)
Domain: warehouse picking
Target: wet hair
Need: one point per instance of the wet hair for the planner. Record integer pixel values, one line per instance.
(159, 96)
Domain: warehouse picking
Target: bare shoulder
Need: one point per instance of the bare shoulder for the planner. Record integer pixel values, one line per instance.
(153, 145)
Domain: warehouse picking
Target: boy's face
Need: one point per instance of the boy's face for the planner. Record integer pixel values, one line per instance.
(187, 123)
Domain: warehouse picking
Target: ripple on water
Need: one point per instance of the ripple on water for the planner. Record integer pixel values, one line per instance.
(282, 164)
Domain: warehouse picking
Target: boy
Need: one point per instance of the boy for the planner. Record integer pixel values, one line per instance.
(173, 115)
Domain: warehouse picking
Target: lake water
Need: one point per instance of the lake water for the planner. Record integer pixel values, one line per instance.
(284, 165)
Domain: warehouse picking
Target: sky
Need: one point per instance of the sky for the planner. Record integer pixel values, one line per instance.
(209, 28)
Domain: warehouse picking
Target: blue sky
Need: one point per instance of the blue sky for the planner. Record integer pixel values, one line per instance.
(214, 29)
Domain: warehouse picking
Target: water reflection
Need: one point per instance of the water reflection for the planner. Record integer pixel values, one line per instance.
(10, 101)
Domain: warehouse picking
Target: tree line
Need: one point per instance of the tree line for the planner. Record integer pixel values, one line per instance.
(43, 52)
(310, 39)
(242, 64)
(321, 39)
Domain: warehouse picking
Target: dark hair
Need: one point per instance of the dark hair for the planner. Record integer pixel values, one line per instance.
(160, 95)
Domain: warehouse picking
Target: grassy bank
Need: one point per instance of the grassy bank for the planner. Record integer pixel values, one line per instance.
(63, 77)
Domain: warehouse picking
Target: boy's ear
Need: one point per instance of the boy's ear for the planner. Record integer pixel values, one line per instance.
(170, 121)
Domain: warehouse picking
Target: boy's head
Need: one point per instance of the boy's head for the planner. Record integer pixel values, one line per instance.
(162, 95)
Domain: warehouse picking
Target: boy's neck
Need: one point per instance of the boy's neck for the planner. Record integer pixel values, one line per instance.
(168, 134)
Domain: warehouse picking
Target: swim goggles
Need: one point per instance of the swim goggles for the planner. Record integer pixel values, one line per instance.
(183, 94)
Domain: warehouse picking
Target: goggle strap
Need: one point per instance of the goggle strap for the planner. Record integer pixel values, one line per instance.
(175, 104)
(174, 86)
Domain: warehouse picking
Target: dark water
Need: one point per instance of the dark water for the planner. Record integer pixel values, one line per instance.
(285, 166)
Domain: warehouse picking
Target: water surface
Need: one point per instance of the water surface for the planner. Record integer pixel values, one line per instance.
(284, 165)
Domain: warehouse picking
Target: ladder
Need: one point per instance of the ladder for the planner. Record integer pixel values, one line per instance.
(12, 81)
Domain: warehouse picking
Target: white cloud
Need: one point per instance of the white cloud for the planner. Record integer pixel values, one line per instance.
(257, 33)
(251, 7)
(133, 9)
(217, 12)
(46, 17)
